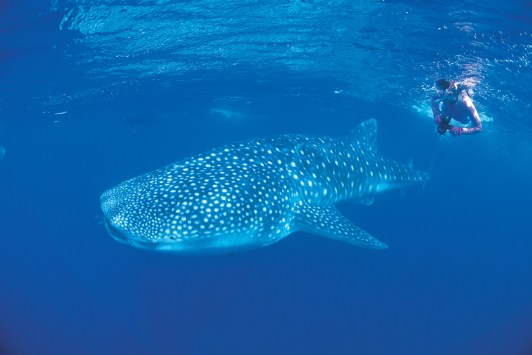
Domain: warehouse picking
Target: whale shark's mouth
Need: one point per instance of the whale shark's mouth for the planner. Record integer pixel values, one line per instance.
(140, 242)
(115, 232)
(169, 246)
(127, 238)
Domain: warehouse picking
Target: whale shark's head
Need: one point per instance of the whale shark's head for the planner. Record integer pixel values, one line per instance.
(201, 205)
(122, 216)
(137, 217)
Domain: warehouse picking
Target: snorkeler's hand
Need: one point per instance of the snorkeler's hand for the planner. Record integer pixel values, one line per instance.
(456, 131)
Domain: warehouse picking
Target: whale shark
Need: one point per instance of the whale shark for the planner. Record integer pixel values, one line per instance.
(254, 193)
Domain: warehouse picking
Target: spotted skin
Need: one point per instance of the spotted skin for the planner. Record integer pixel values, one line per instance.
(252, 194)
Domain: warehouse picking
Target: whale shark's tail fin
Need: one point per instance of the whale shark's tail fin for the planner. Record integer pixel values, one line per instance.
(330, 223)
(365, 135)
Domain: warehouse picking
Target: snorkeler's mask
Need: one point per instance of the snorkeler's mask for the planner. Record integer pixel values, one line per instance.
(450, 91)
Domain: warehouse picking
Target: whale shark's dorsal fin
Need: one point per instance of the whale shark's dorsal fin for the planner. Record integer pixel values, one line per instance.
(365, 135)
(330, 223)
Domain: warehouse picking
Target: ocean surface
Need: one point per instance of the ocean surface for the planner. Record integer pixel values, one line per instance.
(93, 92)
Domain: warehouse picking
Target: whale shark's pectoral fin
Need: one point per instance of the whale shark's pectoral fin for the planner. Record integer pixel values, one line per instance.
(330, 223)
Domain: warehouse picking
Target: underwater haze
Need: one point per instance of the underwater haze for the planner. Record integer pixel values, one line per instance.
(95, 92)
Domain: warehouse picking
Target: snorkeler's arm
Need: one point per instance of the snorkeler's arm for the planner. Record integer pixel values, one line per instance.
(435, 105)
(475, 118)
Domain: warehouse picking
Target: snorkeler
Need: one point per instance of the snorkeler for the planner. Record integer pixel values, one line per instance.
(453, 102)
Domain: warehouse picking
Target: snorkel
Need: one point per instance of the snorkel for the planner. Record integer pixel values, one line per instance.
(447, 90)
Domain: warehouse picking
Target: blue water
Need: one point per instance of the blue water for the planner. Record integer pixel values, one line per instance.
(96, 92)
